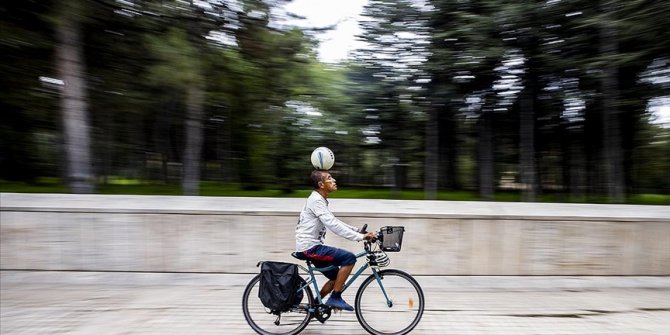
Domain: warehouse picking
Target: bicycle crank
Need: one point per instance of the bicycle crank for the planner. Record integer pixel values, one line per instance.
(322, 313)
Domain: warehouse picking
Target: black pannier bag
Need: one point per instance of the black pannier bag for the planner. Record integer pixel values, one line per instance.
(278, 285)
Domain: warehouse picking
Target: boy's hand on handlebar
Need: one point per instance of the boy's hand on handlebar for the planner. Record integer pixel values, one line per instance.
(370, 237)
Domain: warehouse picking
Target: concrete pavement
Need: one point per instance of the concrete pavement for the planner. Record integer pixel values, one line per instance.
(52, 302)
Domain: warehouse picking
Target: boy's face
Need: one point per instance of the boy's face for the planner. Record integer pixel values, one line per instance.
(329, 183)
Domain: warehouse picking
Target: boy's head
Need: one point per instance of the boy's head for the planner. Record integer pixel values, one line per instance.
(322, 180)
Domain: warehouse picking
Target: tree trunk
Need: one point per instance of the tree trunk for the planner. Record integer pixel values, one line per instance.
(106, 147)
(573, 161)
(71, 69)
(612, 149)
(192, 152)
(448, 143)
(432, 155)
(528, 168)
(485, 156)
(577, 175)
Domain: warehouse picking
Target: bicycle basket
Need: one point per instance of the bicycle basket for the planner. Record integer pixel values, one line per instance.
(391, 238)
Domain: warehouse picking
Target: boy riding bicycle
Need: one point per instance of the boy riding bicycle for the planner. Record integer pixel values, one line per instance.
(310, 234)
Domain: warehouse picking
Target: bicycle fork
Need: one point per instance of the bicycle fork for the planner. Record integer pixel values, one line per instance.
(379, 278)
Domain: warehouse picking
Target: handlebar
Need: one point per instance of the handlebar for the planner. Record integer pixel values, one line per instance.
(364, 230)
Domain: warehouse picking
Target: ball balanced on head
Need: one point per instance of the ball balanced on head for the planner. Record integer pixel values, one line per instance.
(323, 158)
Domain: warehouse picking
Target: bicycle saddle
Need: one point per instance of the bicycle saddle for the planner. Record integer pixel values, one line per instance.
(296, 256)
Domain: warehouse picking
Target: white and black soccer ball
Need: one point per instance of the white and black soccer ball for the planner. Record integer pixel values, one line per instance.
(323, 158)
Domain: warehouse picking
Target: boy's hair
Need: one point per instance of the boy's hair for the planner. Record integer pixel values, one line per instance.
(315, 178)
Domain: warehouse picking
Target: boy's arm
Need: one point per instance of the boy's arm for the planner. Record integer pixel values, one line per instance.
(335, 225)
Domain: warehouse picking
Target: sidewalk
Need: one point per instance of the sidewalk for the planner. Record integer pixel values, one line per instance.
(156, 303)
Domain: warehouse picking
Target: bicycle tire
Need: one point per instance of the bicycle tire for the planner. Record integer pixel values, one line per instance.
(373, 312)
(262, 320)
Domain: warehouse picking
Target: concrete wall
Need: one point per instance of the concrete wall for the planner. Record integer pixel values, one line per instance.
(210, 234)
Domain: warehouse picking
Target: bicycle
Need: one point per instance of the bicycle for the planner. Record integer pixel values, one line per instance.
(382, 292)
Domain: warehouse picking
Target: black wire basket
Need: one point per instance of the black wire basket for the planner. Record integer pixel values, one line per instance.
(391, 238)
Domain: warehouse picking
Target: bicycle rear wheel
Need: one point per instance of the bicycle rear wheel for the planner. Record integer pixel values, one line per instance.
(262, 320)
(395, 316)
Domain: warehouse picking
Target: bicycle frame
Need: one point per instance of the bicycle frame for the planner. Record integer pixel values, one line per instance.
(368, 305)
(312, 278)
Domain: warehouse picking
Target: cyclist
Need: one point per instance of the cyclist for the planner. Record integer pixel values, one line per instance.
(311, 231)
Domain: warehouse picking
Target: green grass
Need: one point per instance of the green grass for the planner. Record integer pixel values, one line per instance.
(42, 186)
(137, 187)
(649, 199)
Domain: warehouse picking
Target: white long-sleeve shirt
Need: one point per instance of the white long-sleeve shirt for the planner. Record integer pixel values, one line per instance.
(314, 219)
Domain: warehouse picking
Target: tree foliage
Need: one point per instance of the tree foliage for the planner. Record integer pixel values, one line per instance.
(533, 96)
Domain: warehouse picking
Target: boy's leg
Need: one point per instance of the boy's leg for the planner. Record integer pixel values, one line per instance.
(327, 287)
(342, 276)
(337, 278)
(346, 260)
(337, 285)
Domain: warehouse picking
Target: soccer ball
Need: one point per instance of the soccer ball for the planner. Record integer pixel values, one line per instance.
(322, 158)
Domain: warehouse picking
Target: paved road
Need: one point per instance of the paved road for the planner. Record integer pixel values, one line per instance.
(154, 303)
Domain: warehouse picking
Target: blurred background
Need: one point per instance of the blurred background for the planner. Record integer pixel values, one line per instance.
(555, 100)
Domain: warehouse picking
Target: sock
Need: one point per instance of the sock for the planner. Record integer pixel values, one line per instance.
(336, 294)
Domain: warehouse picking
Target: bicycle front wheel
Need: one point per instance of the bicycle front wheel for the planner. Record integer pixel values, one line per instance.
(265, 322)
(390, 303)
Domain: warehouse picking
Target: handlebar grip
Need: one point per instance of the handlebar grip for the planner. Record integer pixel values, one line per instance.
(364, 229)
